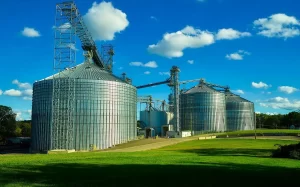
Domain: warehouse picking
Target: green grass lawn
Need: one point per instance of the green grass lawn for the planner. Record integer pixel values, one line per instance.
(217, 162)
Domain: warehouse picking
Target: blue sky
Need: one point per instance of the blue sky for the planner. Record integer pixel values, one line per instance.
(250, 45)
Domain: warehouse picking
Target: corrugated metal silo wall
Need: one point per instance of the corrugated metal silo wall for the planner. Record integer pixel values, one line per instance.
(240, 116)
(41, 116)
(104, 114)
(154, 119)
(203, 112)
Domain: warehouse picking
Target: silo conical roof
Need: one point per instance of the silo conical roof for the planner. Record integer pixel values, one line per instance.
(231, 97)
(86, 71)
(201, 88)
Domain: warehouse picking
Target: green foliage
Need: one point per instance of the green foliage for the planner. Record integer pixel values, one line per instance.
(278, 121)
(260, 132)
(25, 126)
(18, 132)
(287, 151)
(7, 122)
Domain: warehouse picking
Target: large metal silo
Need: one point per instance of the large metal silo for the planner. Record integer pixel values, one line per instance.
(239, 112)
(155, 119)
(103, 112)
(202, 110)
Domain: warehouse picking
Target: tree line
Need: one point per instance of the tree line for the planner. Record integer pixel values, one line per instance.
(9, 127)
(279, 121)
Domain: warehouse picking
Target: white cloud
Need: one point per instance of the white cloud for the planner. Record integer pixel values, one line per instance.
(22, 85)
(153, 17)
(165, 73)
(27, 92)
(13, 92)
(147, 72)
(190, 61)
(150, 64)
(120, 68)
(234, 56)
(278, 25)
(64, 27)
(238, 91)
(23, 114)
(1, 92)
(260, 85)
(287, 89)
(30, 32)
(230, 34)
(281, 103)
(27, 98)
(237, 55)
(104, 21)
(136, 64)
(173, 44)
(271, 113)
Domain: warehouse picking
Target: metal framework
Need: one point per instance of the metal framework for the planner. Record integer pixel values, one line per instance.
(107, 56)
(64, 57)
(175, 91)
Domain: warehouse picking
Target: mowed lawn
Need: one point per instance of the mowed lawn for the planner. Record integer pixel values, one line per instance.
(218, 162)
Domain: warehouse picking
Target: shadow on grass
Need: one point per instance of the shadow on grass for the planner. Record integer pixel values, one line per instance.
(262, 153)
(204, 174)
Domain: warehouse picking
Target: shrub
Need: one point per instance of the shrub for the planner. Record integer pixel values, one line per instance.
(287, 151)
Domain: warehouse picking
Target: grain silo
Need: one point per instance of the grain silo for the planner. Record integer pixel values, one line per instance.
(156, 119)
(102, 110)
(239, 113)
(202, 110)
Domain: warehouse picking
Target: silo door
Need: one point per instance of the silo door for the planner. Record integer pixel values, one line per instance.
(148, 133)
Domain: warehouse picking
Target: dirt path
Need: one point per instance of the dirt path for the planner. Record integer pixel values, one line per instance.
(155, 145)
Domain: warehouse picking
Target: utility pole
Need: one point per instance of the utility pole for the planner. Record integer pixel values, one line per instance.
(255, 124)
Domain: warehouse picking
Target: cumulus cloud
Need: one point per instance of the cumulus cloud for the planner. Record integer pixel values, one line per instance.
(231, 34)
(147, 72)
(21, 85)
(104, 21)
(27, 92)
(164, 73)
(271, 113)
(287, 89)
(173, 44)
(27, 98)
(136, 64)
(1, 92)
(30, 32)
(190, 61)
(278, 25)
(260, 85)
(13, 92)
(237, 55)
(150, 64)
(281, 103)
(238, 91)
(23, 114)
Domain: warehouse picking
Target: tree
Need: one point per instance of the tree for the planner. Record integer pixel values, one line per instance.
(7, 122)
(25, 127)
